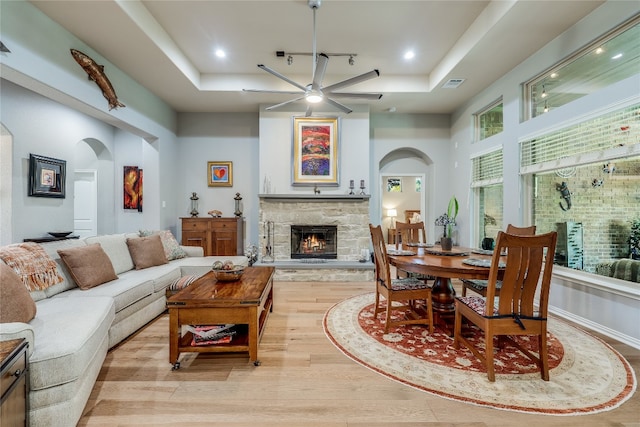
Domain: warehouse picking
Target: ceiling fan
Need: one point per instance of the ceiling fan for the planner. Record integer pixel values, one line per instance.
(315, 92)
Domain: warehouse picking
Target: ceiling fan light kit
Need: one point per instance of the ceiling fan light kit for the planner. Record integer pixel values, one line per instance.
(315, 92)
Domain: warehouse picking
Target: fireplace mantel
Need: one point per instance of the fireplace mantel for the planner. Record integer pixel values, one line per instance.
(315, 197)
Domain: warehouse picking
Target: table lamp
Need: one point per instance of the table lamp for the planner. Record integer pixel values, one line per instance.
(392, 213)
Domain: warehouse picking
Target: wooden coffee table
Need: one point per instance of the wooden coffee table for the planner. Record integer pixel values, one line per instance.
(207, 301)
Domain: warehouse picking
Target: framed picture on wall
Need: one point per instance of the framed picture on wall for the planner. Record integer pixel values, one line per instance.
(394, 185)
(220, 174)
(47, 176)
(132, 188)
(315, 151)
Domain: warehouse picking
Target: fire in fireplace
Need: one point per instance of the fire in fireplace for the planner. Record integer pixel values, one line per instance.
(314, 241)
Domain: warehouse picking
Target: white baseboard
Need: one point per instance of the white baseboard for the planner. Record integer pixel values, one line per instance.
(623, 338)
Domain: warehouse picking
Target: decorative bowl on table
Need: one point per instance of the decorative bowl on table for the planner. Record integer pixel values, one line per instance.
(229, 275)
(60, 233)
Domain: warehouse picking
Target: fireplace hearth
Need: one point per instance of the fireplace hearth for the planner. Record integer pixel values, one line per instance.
(314, 241)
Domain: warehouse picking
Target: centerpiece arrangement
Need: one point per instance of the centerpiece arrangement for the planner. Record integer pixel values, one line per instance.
(227, 271)
(448, 221)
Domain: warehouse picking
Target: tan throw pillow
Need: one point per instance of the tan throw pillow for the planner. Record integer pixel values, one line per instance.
(172, 249)
(16, 305)
(88, 265)
(146, 251)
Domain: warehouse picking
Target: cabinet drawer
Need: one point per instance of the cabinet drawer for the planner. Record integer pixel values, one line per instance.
(13, 372)
(191, 225)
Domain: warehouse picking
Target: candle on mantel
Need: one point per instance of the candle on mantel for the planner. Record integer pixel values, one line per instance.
(351, 184)
(362, 183)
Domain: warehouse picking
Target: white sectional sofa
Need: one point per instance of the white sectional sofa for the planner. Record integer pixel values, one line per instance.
(74, 328)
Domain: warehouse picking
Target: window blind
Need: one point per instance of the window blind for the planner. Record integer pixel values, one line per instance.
(607, 136)
(487, 169)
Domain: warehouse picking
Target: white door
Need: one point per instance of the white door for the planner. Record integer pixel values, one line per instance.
(85, 203)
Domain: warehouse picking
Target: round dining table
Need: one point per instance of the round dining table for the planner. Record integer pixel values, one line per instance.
(443, 266)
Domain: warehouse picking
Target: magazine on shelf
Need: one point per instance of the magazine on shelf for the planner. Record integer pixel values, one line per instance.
(211, 334)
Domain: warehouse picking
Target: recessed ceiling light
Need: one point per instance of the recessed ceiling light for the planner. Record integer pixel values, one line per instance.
(599, 50)
(617, 56)
(553, 75)
(220, 53)
(409, 54)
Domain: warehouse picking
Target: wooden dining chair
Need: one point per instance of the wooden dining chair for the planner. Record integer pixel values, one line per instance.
(480, 286)
(529, 263)
(410, 233)
(411, 292)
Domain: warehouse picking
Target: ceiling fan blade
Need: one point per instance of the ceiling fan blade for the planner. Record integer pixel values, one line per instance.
(370, 96)
(353, 80)
(280, 76)
(309, 111)
(339, 106)
(282, 92)
(273, 107)
(318, 73)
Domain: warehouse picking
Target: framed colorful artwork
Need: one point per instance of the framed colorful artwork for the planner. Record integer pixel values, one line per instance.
(47, 176)
(220, 174)
(315, 151)
(132, 188)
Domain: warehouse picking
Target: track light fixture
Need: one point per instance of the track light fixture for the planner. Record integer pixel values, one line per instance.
(289, 55)
(546, 107)
(544, 92)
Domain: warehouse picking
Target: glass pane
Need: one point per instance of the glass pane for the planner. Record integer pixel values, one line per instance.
(489, 215)
(594, 220)
(609, 60)
(489, 123)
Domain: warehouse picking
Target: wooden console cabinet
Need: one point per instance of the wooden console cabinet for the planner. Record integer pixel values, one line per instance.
(14, 383)
(217, 236)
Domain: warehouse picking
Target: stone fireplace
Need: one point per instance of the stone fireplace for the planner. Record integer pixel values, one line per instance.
(348, 215)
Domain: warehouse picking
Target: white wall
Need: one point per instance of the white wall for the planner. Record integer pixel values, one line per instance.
(208, 137)
(276, 143)
(44, 127)
(71, 109)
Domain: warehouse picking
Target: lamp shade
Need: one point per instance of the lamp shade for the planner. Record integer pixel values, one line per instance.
(392, 213)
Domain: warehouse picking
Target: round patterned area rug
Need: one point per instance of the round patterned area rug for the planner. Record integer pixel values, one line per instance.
(586, 374)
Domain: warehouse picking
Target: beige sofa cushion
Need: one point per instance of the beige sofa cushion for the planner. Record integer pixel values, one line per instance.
(16, 305)
(115, 246)
(88, 265)
(146, 251)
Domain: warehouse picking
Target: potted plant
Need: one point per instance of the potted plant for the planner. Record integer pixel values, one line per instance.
(634, 239)
(447, 221)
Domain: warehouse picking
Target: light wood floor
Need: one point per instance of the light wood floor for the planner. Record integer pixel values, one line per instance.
(303, 381)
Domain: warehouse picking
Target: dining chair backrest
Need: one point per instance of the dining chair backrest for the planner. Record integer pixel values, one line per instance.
(529, 263)
(410, 233)
(521, 231)
(383, 272)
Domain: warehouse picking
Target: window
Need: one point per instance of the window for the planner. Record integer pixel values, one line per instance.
(488, 194)
(586, 186)
(609, 59)
(488, 122)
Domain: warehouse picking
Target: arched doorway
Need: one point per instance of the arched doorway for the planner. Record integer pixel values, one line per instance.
(405, 186)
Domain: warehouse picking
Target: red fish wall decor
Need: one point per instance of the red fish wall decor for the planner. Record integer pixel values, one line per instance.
(96, 73)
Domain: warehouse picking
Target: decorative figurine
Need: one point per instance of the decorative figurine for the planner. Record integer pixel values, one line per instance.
(351, 187)
(215, 213)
